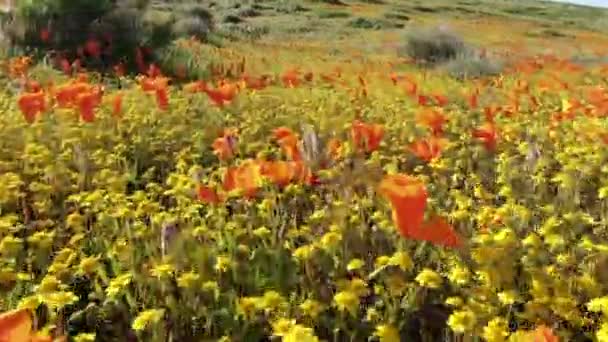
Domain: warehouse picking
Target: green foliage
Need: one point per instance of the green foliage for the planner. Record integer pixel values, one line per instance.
(333, 14)
(372, 23)
(180, 59)
(120, 26)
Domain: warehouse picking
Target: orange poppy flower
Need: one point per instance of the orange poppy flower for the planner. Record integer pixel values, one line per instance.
(366, 136)
(31, 104)
(162, 98)
(66, 94)
(290, 78)
(334, 148)
(441, 100)
(282, 172)
(87, 102)
(438, 232)
(288, 140)
(222, 95)
(279, 172)
(408, 196)
(282, 132)
(411, 88)
(423, 100)
(428, 149)
(473, 99)
(208, 195)
(16, 326)
(245, 177)
(223, 147)
(487, 134)
(394, 78)
(195, 87)
(148, 84)
(432, 119)
(255, 83)
(117, 105)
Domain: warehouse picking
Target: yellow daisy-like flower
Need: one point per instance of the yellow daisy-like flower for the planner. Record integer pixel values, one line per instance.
(507, 297)
(59, 299)
(402, 260)
(162, 271)
(188, 280)
(222, 263)
(347, 301)
(299, 333)
(85, 337)
(459, 275)
(462, 321)
(147, 318)
(311, 308)
(429, 278)
(272, 300)
(602, 333)
(248, 306)
(282, 326)
(454, 301)
(496, 330)
(599, 305)
(387, 333)
(355, 264)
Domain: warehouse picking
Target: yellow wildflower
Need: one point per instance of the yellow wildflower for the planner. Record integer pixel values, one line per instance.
(462, 321)
(147, 318)
(429, 278)
(347, 301)
(387, 333)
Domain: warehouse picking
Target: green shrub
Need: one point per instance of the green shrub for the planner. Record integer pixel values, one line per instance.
(190, 62)
(191, 27)
(198, 11)
(68, 20)
(120, 26)
(233, 19)
(372, 23)
(249, 12)
(432, 46)
(333, 14)
(396, 16)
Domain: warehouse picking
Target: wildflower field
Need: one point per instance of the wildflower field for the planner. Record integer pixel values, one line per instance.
(302, 196)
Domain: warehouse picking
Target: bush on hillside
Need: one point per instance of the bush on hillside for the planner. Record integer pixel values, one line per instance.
(432, 46)
(117, 26)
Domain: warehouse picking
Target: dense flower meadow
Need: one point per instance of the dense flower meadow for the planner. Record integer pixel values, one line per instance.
(359, 202)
